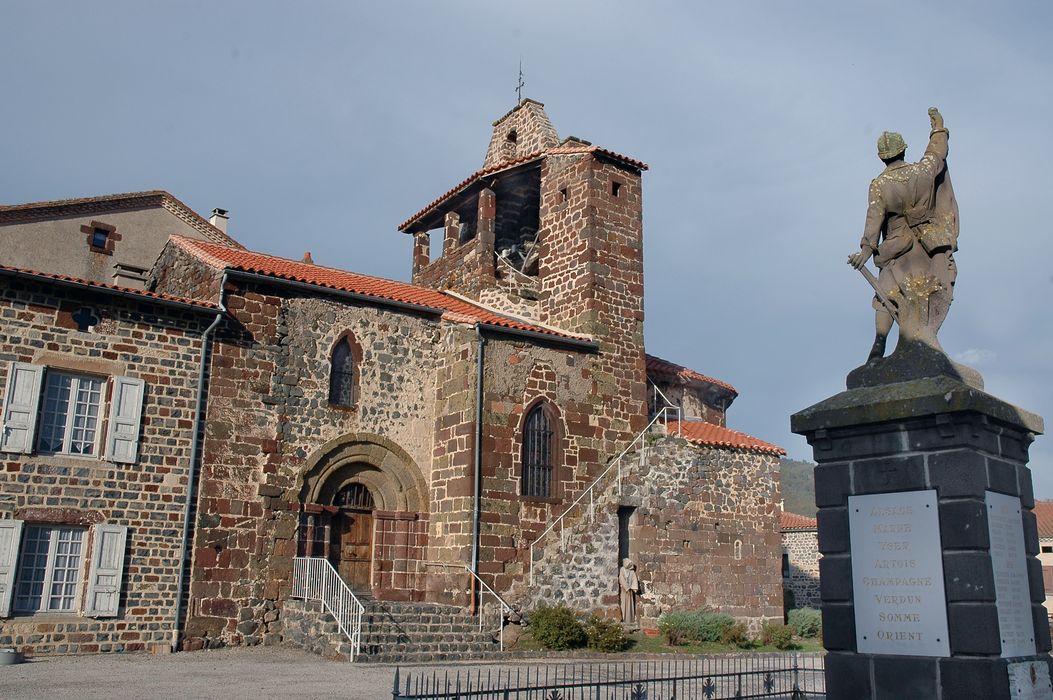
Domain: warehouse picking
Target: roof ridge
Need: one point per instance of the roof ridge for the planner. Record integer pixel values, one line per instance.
(80, 281)
(512, 317)
(698, 376)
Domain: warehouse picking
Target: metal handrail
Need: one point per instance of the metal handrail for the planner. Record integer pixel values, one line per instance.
(505, 607)
(314, 578)
(616, 463)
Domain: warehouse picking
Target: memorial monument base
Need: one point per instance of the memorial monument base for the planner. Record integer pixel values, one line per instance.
(930, 583)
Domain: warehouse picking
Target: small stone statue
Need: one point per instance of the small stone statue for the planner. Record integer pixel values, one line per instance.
(911, 231)
(629, 586)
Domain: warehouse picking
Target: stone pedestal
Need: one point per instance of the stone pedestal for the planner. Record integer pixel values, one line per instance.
(942, 442)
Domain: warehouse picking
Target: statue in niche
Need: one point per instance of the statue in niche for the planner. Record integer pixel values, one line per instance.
(911, 231)
(629, 587)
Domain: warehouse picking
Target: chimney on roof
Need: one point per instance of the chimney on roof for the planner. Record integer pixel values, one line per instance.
(219, 219)
(307, 258)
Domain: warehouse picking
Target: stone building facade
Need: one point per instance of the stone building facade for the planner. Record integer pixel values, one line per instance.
(112, 239)
(800, 559)
(99, 406)
(411, 432)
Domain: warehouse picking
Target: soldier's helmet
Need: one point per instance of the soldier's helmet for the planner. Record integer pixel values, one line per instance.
(890, 144)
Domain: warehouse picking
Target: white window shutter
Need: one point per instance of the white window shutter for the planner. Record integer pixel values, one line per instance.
(10, 537)
(126, 410)
(107, 570)
(20, 407)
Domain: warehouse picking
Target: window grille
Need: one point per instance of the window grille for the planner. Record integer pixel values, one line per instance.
(537, 454)
(353, 496)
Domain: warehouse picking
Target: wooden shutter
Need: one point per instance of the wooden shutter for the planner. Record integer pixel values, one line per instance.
(10, 537)
(107, 570)
(126, 410)
(20, 407)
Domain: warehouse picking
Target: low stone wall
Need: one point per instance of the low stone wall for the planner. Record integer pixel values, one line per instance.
(307, 626)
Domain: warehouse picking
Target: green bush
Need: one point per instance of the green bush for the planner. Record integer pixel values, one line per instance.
(557, 627)
(806, 622)
(737, 634)
(606, 635)
(778, 636)
(694, 626)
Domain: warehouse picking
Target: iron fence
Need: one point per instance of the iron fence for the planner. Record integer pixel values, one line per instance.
(788, 675)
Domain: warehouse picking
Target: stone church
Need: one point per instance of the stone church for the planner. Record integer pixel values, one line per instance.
(494, 426)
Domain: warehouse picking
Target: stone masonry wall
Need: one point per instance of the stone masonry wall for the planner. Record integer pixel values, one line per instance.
(802, 546)
(136, 339)
(269, 419)
(704, 533)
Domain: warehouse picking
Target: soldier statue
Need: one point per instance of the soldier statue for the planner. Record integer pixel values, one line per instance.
(911, 232)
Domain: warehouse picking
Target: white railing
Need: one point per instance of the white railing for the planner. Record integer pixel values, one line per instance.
(314, 578)
(503, 607)
(662, 415)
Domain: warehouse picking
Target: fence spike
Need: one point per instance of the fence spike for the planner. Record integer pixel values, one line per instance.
(395, 687)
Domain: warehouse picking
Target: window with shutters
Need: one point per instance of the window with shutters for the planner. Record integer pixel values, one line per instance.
(538, 453)
(52, 411)
(42, 568)
(49, 569)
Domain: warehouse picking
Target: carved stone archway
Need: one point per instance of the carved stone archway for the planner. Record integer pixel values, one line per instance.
(392, 477)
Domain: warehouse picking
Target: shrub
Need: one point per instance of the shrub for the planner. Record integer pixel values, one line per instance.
(737, 634)
(694, 626)
(606, 635)
(778, 636)
(557, 627)
(806, 622)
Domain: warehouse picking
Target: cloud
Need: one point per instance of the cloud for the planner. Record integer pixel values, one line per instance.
(975, 356)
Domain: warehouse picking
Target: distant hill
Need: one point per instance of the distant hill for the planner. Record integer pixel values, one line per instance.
(798, 488)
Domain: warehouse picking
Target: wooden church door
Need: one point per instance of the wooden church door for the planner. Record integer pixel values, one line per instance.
(352, 537)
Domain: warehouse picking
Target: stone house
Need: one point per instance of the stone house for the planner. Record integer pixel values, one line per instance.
(800, 559)
(99, 408)
(497, 415)
(1044, 515)
(113, 239)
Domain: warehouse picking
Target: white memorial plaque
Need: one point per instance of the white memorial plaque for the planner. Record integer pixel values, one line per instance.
(1029, 680)
(1009, 561)
(897, 574)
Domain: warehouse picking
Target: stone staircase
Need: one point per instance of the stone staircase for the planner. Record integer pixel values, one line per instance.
(393, 632)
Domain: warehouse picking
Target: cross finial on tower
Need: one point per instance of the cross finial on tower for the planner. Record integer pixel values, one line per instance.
(519, 87)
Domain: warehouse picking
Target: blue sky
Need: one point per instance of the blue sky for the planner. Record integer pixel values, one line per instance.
(322, 125)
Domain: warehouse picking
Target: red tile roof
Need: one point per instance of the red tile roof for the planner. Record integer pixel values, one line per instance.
(514, 162)
(712, 435)
(451, 308)
(34, 211)
(792, 521)
(105, 288)
(1044, 515)
(656, 366)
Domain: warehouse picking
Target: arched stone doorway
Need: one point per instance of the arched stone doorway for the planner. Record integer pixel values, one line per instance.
(362, 507)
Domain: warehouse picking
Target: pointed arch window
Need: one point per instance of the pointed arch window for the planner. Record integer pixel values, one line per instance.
(342, 382)
(538, 439)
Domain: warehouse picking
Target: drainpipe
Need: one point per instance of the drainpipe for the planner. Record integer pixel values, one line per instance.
(478, 460)
(194, 448)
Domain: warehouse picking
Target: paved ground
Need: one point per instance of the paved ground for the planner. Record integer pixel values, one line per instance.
(259, 674)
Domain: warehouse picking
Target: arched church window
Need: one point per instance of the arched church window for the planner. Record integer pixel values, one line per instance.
(538, 453)
(342, 379)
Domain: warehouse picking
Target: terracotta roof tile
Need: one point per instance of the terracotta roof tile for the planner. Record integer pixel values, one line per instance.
(656, 366)
(1044, 515)
(379, 288)
(124, 200)
(712, 435)
(103, 287)
(793, 521)
(514, 162)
